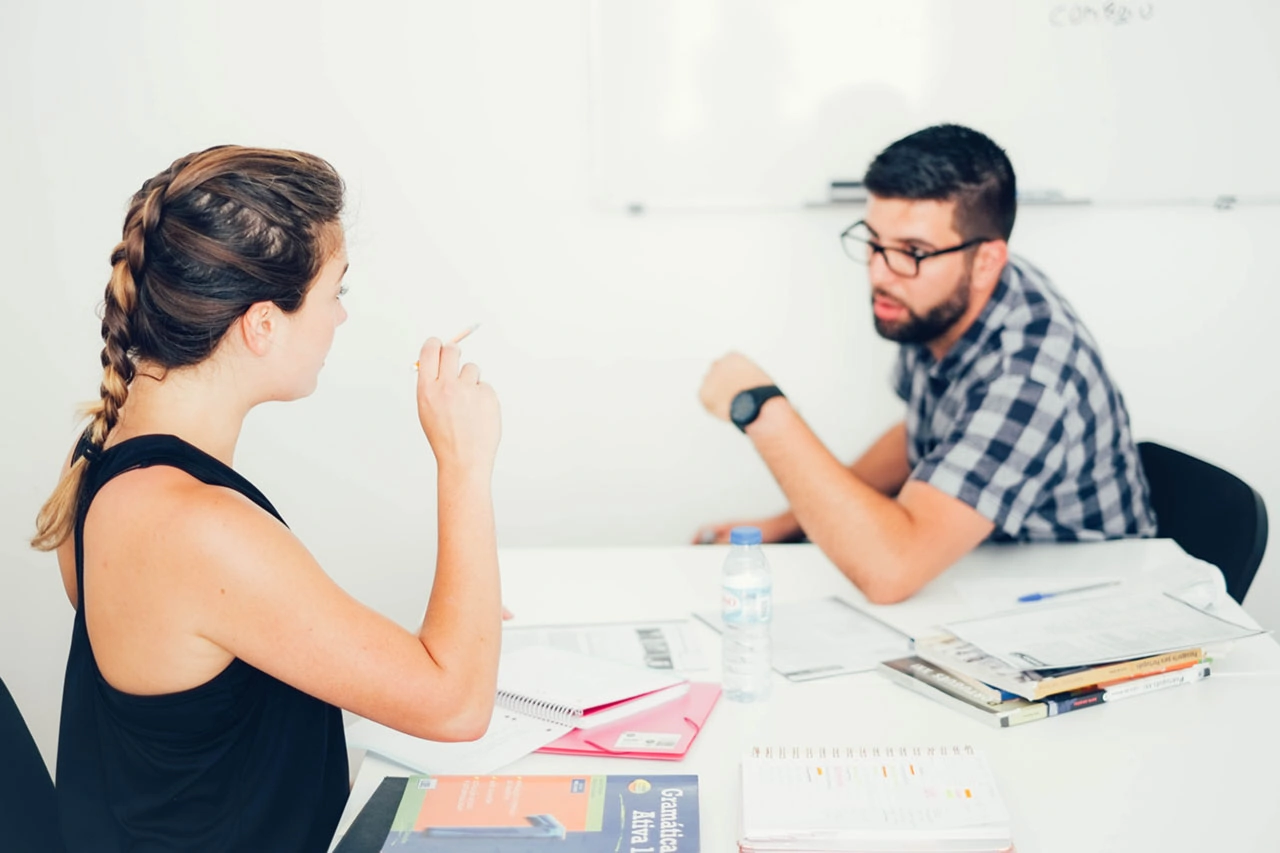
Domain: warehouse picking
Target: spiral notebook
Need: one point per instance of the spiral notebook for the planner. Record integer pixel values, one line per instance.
(882, 799)
(573, 689)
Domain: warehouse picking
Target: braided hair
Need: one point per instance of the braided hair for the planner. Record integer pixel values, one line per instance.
(216, 232)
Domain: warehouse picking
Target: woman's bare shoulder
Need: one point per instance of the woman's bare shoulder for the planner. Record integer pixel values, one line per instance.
(164, 505)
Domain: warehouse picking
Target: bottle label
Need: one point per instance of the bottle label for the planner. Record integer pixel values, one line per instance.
(749, 606)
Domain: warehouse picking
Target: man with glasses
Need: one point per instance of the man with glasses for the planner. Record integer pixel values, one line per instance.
(1013, 430)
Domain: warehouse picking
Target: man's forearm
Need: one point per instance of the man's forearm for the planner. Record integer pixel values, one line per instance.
(864, 532)
(883, 467)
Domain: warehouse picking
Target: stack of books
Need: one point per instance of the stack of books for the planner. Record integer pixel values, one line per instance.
(1026, 665)
(952, 672)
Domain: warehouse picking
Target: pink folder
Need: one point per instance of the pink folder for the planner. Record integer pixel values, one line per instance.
(664, 732)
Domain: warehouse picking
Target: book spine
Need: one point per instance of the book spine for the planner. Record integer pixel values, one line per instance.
(1118, 672)
(1065, 704)
(1028, 713)
(1124, 690)
(959, 687)
(1139, 686)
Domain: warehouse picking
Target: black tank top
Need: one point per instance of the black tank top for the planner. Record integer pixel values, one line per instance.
(243, 762)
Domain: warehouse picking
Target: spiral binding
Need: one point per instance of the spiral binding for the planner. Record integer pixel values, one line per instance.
(834, 752)
(541, 709)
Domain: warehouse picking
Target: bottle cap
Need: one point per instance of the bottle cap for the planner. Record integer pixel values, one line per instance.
(745, 535)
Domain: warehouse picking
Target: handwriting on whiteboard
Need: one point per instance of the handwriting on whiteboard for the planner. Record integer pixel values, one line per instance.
(1085, 14)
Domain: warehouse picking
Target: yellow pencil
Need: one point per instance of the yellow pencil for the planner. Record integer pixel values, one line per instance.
(458, 338)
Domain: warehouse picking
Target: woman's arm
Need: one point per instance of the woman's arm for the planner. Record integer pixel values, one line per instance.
(186, 575)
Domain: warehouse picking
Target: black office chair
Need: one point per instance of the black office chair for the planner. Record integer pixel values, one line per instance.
(28, 807)
(1210, 513)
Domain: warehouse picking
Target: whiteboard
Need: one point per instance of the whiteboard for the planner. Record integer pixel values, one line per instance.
(724, 103)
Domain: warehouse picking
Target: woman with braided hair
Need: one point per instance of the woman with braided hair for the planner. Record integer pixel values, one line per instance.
(210, 653)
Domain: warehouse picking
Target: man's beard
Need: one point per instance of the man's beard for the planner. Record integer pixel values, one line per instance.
(933, 325)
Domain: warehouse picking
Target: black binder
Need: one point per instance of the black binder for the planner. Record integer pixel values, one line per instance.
(371, 827)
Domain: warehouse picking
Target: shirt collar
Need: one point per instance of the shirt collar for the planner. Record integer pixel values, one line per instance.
(986, 325)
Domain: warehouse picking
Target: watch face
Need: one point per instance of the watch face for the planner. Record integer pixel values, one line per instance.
(743, 408)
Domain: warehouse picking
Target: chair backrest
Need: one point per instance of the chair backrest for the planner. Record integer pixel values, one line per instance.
(1211, 513)
(28, 806)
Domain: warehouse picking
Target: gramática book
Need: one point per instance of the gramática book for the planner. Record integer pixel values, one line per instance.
(541, 814)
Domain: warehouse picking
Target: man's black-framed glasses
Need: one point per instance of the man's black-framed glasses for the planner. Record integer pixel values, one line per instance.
(860, 244)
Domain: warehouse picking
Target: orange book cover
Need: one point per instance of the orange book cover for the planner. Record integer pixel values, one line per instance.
(1111, 673)
(1186, 664)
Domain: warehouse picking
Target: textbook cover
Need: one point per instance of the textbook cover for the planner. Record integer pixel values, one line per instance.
(941, 686)
(539, 814)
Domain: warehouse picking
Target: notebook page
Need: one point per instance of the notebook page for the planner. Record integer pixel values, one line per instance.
(558, 678)
(903, 793)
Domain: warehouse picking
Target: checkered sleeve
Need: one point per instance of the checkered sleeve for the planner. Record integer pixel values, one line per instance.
(1005, 450)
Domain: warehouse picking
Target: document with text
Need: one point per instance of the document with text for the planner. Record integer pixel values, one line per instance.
(826, 637)
(1099, 630)
(667, 644)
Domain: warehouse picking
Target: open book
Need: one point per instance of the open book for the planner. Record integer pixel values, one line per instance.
(572, 689)
(882, 799)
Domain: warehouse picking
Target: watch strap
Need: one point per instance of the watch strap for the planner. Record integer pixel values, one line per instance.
(759, 395)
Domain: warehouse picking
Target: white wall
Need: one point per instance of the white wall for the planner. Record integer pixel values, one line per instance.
(691, 98)
(462, 131)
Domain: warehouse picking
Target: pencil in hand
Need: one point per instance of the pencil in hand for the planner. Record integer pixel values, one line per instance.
(458, 338)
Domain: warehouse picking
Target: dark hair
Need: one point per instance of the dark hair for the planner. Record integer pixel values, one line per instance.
(213, 234)
(949, 162)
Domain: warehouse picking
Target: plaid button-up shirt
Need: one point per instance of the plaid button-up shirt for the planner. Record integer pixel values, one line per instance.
(1021, 422)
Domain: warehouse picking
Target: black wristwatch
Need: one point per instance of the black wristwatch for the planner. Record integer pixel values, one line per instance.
(745, 407)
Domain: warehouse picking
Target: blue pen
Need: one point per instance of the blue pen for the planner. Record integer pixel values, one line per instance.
(1039, 596)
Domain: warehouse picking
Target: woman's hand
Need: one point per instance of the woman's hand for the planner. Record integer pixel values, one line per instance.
(459, 414)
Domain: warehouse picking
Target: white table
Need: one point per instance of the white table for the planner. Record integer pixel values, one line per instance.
(1195, 768)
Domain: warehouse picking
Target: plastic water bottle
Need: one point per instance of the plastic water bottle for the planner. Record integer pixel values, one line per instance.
(746, 610)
